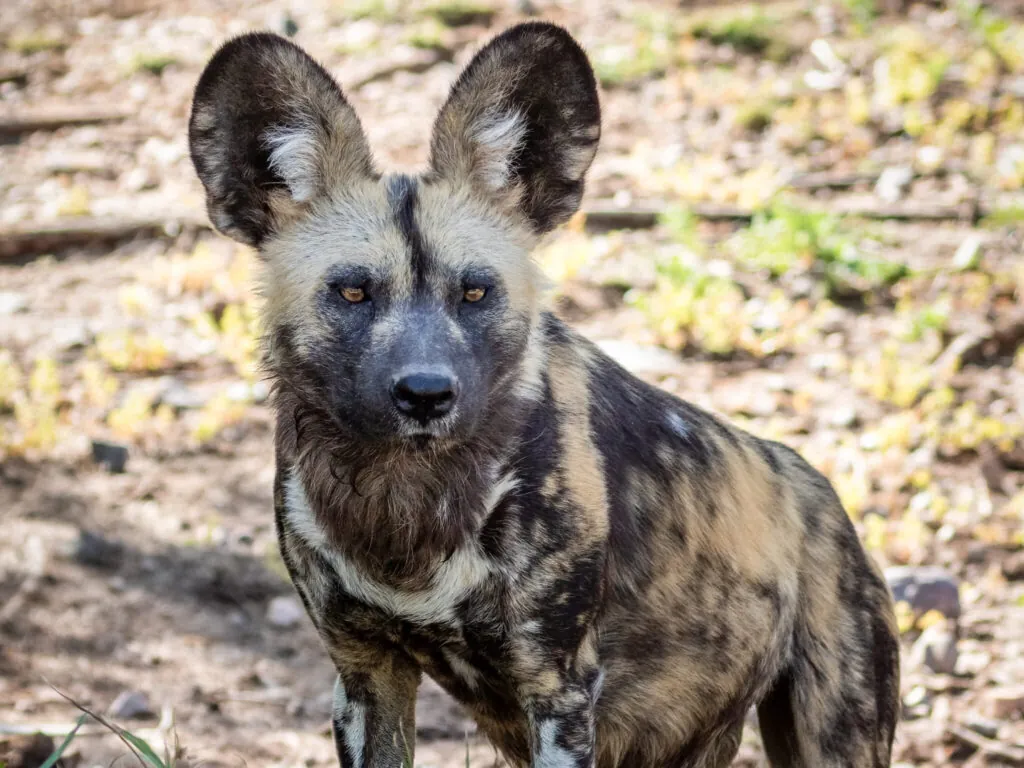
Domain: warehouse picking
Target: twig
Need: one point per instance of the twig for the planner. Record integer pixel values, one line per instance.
(13, 123)
(23, 240)
(1006, 752)
(604, 215)
(419, 61)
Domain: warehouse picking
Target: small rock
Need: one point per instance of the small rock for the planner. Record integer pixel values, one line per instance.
(179, 396)
(1007, 701)
(640, 358)
(25, 751)
(244, 392)
(284, 612)
(893, 182)
(968, 255)
(844, 417)
(111, 455)
(983, 725)
(972, 663)
(138, 179)
(131, 705)
(925, 588)
(95, 550)
(936, 649)
(11, 302)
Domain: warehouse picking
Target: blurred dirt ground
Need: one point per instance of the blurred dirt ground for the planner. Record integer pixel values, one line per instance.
(836, 264)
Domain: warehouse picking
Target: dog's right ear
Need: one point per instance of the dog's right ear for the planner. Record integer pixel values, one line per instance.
(270, 134)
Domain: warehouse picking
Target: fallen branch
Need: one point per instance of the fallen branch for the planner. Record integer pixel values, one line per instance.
(604, 215)
(831, 180)
(22, 240)
(1005, 752)
(14, 123)
(420, 61)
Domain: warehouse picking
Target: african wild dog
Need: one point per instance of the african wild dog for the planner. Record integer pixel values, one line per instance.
(603, 574)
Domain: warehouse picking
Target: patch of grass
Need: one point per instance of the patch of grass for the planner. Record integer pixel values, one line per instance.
(383, 11)
(649, 53)
(460, 13)
(619, 65)
(749, 31)
(27, 43)
(1005, 216)
(756, 115)
(691, 307)
(915, 67)
(154, 63)
(143, 752)
(862, 12)
(429, 34)
(1004, 38)
(682, 227)
(128, 351)
(785, 237)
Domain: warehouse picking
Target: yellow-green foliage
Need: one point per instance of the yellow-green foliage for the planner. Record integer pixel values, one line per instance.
(127, 350)
(36, 427)
(217, 414)
(457, 13)
(747, 29)
(27, 42)
(786, 237)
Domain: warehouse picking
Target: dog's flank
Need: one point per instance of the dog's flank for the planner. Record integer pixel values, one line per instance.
(603, 574)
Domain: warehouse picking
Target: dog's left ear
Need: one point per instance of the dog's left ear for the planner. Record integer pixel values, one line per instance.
(522, 124)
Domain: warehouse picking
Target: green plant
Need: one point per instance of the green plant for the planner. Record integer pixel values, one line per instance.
(460, 13)
(154, 63)
(27, 43)
(749, 30)
(141, 750)
(862, 12)
(785, 237)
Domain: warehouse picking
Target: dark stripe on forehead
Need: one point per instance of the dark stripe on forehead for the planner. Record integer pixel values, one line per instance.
(402, 198)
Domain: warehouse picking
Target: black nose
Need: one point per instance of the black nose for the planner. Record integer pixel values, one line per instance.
(424, 396)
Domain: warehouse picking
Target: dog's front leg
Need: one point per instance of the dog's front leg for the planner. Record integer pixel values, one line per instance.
(559, 698)
(374, 707)
(562, 731)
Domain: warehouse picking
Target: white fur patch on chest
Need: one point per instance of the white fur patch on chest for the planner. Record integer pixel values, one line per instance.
(451, 582)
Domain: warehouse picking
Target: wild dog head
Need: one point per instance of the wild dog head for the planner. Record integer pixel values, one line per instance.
(401, 307)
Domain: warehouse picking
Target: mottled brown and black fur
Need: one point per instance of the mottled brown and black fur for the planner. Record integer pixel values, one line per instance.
(603, 574)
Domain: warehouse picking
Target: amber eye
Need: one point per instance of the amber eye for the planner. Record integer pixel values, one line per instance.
(353, 295)
(473, 295)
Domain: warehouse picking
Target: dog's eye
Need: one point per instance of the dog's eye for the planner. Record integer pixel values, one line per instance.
(473, 295)
(353, 295)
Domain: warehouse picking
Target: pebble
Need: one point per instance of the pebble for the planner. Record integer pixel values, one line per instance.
(284, 612)
(936, 649)
(985, 726)
(893, 181)
(968, 255)
(640, 358)
(179, 396)
(113, 456)
(131, 705)
(925, 588)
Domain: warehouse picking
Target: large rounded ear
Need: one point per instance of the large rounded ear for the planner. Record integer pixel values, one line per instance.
(270, 133)
(522, 123)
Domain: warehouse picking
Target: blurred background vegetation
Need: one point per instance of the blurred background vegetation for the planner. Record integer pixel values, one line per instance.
(806, 216)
